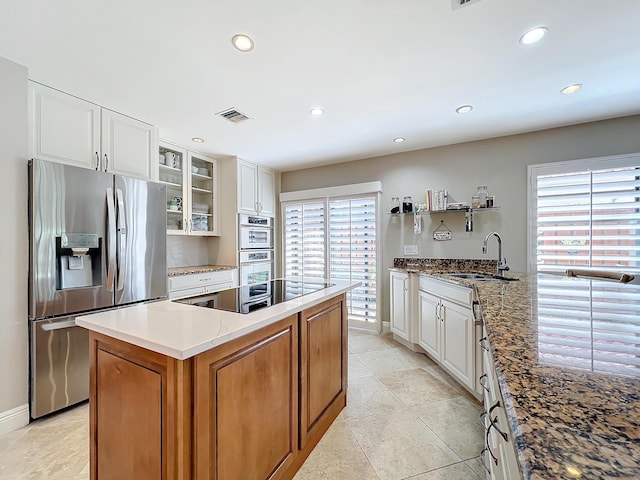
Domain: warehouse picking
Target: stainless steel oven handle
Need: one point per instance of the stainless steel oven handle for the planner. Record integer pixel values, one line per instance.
(111, 239)
(59, 325)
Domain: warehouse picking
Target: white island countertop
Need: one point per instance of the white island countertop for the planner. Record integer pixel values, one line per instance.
(182, 331)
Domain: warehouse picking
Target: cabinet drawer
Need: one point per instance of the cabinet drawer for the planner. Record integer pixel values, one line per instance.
(200, 279)
(455, 293)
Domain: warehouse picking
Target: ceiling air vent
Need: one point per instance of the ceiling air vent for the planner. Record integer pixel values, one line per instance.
(462, 3)
(233, 115)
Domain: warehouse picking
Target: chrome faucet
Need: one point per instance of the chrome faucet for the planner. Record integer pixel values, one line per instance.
(502, 262)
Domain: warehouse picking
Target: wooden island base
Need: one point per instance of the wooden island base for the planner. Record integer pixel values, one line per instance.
(249, 409)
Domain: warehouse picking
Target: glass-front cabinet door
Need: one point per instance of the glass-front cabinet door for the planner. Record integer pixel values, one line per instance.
(192, 185)
(203, 184)
(172, 162)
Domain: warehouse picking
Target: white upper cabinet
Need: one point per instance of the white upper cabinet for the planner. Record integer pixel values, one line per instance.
(256, 189)
(192, 191)
(266, 192)
(247, 187)
(67, 129)
(129, 146)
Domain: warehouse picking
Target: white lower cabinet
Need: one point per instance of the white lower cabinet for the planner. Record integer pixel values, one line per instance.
(447, 328)
(499, 455)
(399, 305)
(182, 286)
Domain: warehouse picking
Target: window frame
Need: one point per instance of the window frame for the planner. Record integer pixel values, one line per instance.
(342, 192)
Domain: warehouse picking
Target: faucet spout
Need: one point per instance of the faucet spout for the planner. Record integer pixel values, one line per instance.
(502, 262)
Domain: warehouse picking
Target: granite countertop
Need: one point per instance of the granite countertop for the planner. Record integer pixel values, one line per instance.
(567, 357)
(182, 331)
(177, 271)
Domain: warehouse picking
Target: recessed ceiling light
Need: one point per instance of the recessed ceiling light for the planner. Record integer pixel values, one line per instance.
(464, 109)
(398, 139)
(533, 36)
(571, 89)
(197, 140)
(244, 43)
(316, 111)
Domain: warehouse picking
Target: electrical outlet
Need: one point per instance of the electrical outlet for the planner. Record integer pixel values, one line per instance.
(410, 249)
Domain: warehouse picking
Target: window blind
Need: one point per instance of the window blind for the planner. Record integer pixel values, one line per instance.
(594, 326)
(589, 219)
(352, 252)
(335, 238)
(304, 239)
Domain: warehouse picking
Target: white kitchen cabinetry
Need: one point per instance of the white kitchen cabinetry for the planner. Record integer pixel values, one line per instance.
(499, 455)
(192, 191)
(67, 129)
(256, 189)
(181, 286)
(447, 329)
(400, 306)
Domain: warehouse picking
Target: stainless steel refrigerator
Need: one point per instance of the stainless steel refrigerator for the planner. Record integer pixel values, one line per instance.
(96, 241)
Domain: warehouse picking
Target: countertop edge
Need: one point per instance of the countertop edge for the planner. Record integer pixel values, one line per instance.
(107, 322)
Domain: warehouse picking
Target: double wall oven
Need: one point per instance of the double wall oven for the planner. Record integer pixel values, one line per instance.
(255, 257)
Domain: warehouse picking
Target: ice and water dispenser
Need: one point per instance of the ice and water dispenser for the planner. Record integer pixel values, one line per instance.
(79, 260)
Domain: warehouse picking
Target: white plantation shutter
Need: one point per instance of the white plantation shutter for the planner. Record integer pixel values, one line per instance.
(595, 326)
(335, 238)
(587, 214)
(589, 219)
(304, 239)
(352, 252)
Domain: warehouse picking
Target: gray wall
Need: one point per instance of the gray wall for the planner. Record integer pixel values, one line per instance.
(14, 240)
(500, 163)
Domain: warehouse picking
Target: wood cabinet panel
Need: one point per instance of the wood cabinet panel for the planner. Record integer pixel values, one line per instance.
(252, 408)
(140, 412)
(129, 419)
(246, 405)
(323, 375)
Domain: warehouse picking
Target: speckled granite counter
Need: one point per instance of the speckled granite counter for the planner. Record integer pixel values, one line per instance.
(176, 271)
(567, 357)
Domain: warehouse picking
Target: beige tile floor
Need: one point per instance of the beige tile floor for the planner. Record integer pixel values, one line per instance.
(405, 419)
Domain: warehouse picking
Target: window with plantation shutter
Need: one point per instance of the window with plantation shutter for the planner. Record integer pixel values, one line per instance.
(304, 239)
(586, 215)
(594, 325)
(352, 252)
(589, 219)
(334, 237)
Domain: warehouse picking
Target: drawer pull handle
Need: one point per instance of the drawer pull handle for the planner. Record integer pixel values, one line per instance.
(494, 422)
(482, 384)
(482, 455)
(493, 457)
(482, 344)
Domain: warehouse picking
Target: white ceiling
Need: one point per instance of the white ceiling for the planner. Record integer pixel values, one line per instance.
(380, 69)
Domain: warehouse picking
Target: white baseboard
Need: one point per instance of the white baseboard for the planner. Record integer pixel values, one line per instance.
(14, 419)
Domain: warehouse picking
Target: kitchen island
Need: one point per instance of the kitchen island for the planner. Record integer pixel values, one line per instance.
(566, 357)
(182, 392)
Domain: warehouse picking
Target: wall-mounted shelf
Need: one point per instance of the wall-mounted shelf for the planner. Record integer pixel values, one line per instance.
(468, 211)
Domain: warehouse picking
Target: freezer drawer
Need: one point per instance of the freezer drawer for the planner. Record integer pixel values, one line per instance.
(59, 365)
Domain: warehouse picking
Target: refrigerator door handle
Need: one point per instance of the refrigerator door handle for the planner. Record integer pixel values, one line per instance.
(111, 239)
(122, 233)
(59, 325)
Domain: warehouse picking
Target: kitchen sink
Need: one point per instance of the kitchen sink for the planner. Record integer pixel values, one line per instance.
(478, 276)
